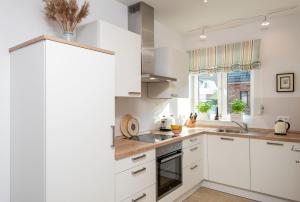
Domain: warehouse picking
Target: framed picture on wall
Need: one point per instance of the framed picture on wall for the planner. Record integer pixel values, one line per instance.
(285, 82)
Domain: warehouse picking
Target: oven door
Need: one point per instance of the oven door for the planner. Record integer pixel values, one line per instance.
(169, 173)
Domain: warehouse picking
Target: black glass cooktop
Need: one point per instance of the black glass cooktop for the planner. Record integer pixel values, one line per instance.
(152, 138)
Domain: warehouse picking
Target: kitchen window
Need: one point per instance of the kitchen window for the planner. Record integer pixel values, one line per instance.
(220, 89)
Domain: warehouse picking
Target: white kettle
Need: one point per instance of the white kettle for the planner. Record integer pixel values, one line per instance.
(281, 127)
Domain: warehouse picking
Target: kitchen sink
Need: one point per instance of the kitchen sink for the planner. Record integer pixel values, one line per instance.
(227, 130)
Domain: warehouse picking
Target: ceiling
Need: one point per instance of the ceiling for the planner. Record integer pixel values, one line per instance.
(187, 15)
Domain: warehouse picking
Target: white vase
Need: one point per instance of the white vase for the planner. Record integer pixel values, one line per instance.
(203, 116)
(236, 117)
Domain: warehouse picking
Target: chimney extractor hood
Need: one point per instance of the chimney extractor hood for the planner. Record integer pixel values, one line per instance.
(141, 21)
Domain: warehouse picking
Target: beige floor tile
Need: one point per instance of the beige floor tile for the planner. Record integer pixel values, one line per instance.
(208, 195)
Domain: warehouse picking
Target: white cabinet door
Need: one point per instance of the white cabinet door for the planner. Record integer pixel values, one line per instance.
(79, 115)
(275, 168)
(192, 175)
(172, 63)
(127, 48)
(228, 161)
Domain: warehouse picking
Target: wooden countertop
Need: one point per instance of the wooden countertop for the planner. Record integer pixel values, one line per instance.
(59, 40)
(125, 147)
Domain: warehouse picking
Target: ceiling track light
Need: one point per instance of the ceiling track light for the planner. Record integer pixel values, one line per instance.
(265, 23)
(205, 1)
(203, 35)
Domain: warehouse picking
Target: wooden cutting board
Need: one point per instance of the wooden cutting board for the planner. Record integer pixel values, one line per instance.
(133, 126)
(124, 125)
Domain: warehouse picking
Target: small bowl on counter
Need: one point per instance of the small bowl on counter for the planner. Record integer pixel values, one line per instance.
(176, 129)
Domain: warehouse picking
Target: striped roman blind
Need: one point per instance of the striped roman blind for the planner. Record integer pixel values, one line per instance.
(241, 56)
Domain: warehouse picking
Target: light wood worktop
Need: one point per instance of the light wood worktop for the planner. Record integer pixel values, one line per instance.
(59, 40)
(126, 147)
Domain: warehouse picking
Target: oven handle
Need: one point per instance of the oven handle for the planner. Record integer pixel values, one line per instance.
(170, 158)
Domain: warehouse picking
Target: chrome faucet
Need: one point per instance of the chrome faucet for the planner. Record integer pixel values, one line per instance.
(244, 125)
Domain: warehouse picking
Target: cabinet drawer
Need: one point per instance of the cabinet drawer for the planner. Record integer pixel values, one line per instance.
(192, 175)
(192, 154)
(192, 141)
(133, 161)
(146, 195)
(135, 179)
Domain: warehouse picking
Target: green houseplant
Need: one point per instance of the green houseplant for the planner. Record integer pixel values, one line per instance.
(237, 108)
(204, 108)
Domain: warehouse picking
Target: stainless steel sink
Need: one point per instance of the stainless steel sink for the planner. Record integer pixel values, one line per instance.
(228, 130)
(225, 130)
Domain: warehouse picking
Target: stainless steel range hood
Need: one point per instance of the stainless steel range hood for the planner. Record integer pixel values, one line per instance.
(141, 21)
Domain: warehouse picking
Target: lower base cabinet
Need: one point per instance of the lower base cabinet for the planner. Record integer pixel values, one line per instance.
(146, 195)
(228, 160)
(192, 176)
(275, 168)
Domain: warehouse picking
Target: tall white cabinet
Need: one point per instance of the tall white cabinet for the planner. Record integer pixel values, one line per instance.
(62, 113)
(127, 47)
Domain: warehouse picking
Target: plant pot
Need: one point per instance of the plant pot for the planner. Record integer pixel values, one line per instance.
(236, 117)
(203, 116)
(70, 36)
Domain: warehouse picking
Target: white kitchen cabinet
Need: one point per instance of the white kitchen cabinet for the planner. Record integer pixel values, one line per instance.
(228, 160)
(61, 118)
(192, 175)
(192, 154)
(172, 63)
(127, 48)
(275, 168)
(146, 195)
(135, 180)
(193, 162)
(133, 161)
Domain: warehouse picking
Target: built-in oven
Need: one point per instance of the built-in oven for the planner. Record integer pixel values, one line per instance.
(169, 168)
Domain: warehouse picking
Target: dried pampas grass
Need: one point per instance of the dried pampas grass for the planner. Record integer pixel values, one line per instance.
(66, 13)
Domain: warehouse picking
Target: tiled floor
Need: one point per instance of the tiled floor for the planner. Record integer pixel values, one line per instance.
(208, 195)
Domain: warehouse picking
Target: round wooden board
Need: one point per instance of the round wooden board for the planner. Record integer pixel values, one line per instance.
(124, 125)
(133, 127)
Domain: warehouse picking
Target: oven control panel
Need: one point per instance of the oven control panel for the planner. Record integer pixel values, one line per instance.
(168, 149)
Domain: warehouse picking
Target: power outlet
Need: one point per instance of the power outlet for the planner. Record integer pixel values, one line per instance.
(283, 118)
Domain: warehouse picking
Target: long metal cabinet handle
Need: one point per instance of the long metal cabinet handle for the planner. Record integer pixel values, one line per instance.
(139, 198)
(274, 143)
(113, 136)
(194, 167)
(225, 138)
(193, 149)
(193, 139)
(139, 157)
(134, 93)
(295, 149)
(138, 171)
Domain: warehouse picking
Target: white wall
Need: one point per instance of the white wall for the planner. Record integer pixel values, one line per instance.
(280, 52)
(148, 111)
(20, 21)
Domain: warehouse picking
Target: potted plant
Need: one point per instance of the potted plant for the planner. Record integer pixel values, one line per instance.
(67, 14)
(204, 108)
(237, 108)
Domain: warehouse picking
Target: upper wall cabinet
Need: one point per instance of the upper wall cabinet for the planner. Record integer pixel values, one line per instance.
(172, 63)
(127, 48)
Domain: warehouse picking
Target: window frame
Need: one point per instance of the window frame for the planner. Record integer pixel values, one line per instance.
(222, 94)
